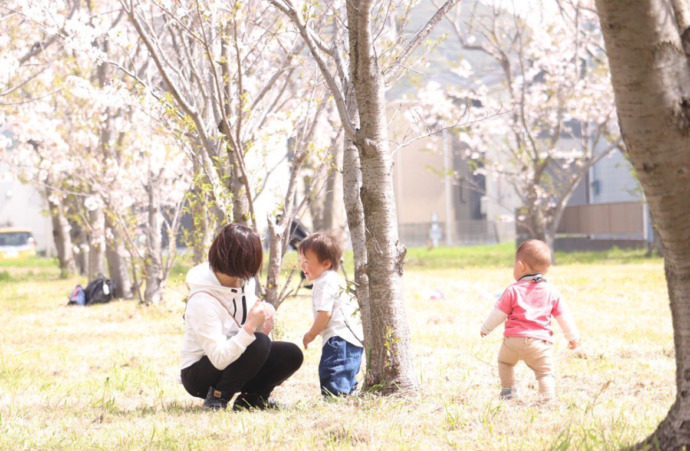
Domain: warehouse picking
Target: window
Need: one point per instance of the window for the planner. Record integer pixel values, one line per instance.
(15, 238)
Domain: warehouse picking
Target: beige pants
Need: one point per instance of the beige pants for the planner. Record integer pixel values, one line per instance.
(537, 354)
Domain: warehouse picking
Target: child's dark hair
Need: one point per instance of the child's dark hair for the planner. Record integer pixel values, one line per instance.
(236, 252)
(325, 246)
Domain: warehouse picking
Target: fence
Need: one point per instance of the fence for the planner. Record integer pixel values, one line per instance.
(599, 227)
(463, 232)
(621, 220)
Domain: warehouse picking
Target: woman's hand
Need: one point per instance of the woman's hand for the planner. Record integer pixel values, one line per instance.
(255, 317)
(269, 318)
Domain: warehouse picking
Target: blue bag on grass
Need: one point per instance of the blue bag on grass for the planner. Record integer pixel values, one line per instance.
(78, 297)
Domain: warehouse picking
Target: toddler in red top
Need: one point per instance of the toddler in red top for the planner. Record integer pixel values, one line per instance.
(527, 307)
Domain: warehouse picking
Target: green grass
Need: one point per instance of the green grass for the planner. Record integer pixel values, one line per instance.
(495, 256)
(502, 255)
(105, 377)
(33, 262)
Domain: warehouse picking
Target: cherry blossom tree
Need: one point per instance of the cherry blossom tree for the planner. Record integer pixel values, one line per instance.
(547, 118)
(88, 141)
(228, 74)
(347, 41)
(27, 53)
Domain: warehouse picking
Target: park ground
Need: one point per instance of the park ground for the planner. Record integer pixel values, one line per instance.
(106, 377)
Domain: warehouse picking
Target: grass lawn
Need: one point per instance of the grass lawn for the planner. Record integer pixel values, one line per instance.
(106, 377)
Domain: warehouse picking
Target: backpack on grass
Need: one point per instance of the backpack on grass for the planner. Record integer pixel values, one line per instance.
(98, 291)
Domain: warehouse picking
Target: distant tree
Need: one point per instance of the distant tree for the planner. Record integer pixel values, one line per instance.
(228, 75)
(95, 146)
(538, 112)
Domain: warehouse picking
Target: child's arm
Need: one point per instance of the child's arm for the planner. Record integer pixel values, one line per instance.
(565, 320)
(569, 330)
(320, 322)
(495, 319)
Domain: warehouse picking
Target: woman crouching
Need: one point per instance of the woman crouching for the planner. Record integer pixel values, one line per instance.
(223, 353)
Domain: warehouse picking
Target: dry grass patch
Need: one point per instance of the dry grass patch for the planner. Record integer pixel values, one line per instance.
(107, 377)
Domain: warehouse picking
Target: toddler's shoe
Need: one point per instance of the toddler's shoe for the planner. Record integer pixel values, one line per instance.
(216, 399)
(508, 393)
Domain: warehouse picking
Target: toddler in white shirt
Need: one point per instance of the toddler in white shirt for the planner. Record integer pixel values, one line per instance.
(334, 316)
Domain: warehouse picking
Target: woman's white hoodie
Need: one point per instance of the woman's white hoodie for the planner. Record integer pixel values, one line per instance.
(213, 319)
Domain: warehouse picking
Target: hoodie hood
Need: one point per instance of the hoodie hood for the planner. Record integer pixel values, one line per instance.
(202, 278)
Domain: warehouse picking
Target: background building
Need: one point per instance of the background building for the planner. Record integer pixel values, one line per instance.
(22, 206)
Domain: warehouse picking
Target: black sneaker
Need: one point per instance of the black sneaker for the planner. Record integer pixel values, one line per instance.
(251, 401)
(216, 399)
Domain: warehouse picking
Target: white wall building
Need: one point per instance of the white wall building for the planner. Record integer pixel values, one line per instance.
(22, 206)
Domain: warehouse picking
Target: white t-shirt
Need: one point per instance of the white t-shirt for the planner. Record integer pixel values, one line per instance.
(329, 294)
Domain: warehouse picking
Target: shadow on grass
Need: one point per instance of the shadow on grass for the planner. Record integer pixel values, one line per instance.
(172, 407)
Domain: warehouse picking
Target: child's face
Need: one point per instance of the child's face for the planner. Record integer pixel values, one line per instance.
(311, 265)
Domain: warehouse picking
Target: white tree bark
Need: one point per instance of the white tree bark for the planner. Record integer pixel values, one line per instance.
(118, 269)
(153, 269)
(96, 236)
(331, 216)
(650, 72)
(62, 239)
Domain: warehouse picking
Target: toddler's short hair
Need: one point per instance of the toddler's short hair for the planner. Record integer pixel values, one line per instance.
(325, 246)
(236, 252)
(535, 253)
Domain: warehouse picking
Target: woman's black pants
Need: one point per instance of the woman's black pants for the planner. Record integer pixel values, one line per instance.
(264, 365)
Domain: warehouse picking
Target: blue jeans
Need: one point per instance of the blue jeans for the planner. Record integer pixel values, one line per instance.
(340, 362)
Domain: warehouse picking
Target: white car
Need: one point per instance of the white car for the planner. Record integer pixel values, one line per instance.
(16, 243)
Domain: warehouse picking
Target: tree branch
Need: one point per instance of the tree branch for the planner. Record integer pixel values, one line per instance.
(392, 73)
(288, 9)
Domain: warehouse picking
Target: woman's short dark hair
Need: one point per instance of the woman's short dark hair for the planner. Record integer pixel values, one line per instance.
(236, 252)
(324, 246)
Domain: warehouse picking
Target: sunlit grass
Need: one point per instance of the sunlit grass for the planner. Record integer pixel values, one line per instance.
(106, 377)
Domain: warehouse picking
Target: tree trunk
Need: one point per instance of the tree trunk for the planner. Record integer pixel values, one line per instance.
(96, 243)
(317, 207)
(81, 247)
(201, 221)
(352, 182)
(650, 72)
(275, 261)
(62, 239)
(277, 233)
(240, 207)
(200, 229)
(118, 269)
(331, 214)
(390, 364)
(153, 269)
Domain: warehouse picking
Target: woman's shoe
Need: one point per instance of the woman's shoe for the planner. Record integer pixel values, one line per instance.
(249, 401)
(216, 399)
